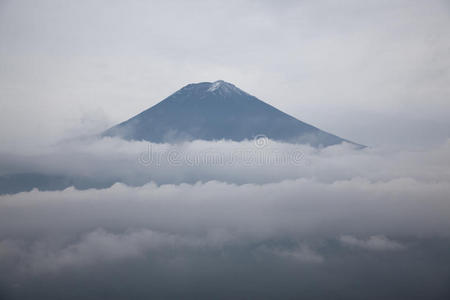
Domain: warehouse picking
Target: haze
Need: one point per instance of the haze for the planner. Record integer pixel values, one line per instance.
(86, 216)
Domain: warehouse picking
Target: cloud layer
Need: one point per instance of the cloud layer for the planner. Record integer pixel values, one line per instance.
(320, 215)
(111, 219)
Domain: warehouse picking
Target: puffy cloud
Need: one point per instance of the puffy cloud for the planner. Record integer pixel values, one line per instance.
(99, 163)
(220, 205)
(219, 219)
(177, 215)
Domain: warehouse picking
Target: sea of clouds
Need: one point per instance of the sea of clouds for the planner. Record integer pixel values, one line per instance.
(209, 219)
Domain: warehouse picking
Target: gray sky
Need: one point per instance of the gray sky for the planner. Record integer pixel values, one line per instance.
(376, 72)
(327, 221)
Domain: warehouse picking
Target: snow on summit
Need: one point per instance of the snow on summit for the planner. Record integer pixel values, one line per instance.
(224, 87)
(215, 85)
(215, 111)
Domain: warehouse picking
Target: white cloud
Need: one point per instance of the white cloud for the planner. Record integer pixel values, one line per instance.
(219, 215)
(234, 162)
(68, 70)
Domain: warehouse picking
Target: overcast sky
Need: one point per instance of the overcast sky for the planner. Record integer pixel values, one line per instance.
(127, 219)
(375, 72)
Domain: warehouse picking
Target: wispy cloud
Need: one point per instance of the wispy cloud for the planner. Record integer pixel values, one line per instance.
(374, 242)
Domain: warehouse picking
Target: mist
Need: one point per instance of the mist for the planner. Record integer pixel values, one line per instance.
(191, 210)
(83, 216)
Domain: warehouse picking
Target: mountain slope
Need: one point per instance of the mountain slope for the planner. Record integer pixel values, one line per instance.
(214, 111)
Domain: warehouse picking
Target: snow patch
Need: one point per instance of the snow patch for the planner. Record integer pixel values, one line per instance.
(215, 85)
(222, 88)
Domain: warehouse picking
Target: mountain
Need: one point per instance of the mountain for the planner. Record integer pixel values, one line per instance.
(214, 111)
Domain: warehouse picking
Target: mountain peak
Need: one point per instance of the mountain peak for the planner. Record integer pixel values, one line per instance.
(215, 85)
(223, 88)
(206, 89)
(214, 111)
(220, 84)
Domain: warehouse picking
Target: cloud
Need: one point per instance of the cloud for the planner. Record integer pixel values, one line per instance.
(100, 246)
(172, 215)
(222, 205)
(375, 242)
(108, 160)
(114, 219)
